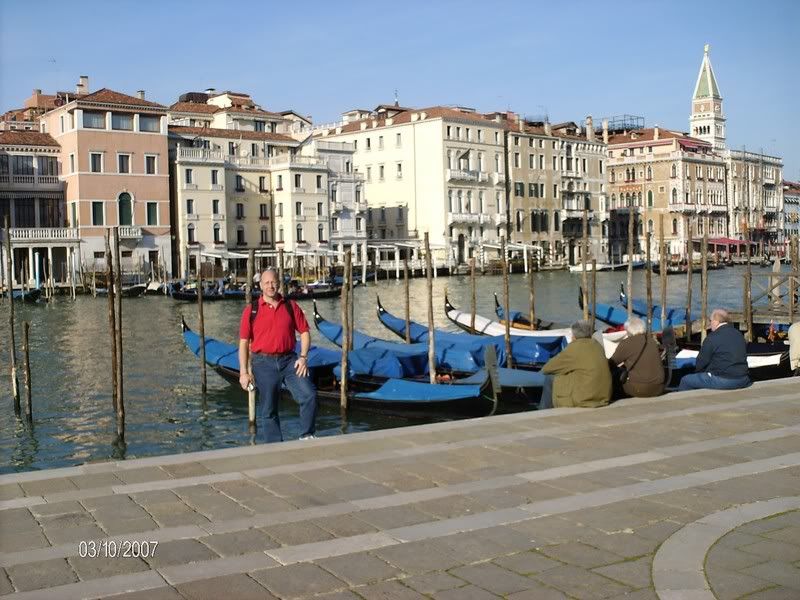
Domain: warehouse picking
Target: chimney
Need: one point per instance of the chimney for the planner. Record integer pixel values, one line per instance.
(589, 128)
(656, 133)
(37, 92)
(210, 91)
(605, 131)
(140, 94)
(83, 85)
(547, 129)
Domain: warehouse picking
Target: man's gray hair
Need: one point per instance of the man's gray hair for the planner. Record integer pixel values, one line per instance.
(720, 315)
(581, 329)
(271, 270)
(635, 326)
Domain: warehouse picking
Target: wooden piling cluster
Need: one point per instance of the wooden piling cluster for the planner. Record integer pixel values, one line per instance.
(26, 367)
(506, 307)
(11, 340)
(346, 326)
(114, 285)
(406, 285)
(431, 336)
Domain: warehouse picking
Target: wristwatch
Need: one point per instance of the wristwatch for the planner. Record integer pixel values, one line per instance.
(304, 356)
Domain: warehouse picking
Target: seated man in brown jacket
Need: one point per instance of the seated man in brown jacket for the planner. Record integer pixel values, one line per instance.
(578, 376)
(639, 355)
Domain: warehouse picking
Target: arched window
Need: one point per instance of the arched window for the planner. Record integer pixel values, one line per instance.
(674, 226)
(627, 199)
(460, 202)
(613, 201)
(469, 202)
(556, 221)
(450, 200)
(650, 225)
(650, 198)
(125, 209)
(190, 233)
(639, 229)
(674, 195)
(639, 199)
(216, 233)
(519, 221)
(534, 222)
(649, 172)
(299, 233)
(280, 234)
(674, 171)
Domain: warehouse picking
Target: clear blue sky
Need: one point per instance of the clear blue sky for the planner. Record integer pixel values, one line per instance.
(322, 58)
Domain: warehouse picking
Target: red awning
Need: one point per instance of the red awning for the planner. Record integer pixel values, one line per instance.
(723, 241)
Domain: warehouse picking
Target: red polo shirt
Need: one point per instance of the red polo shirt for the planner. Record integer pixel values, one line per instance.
(272, 329)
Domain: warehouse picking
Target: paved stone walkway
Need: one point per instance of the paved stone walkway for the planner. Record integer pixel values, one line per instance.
(692, 495)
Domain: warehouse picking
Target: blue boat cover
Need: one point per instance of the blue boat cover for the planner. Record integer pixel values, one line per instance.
(401, 390)
(227, 355)
(524, 349)
(675, 315)
(515, 314)
(509, 378)
(449, 356)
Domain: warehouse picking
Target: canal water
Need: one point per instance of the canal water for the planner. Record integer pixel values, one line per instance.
(166, 413)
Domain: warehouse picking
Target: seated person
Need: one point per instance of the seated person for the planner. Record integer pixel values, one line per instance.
(578, 376)
(722, 361)
(639, 354)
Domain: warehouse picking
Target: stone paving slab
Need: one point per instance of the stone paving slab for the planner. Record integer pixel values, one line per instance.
(552, 504)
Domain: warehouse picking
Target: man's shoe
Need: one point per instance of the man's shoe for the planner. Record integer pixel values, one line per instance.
(310, 436)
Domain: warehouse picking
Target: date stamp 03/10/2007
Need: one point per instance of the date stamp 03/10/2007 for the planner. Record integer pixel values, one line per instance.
(117, 549)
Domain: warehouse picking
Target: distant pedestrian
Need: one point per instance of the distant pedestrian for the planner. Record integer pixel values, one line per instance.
(267, 329)
(722, 361)
(578, 376)
(639, 356)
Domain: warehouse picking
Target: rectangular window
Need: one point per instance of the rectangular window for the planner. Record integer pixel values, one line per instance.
(96, 162)
(298, 208)
(149, 123)
(531, 161)
(239, 210)
(152, 213)
(71, 163)
(319, 209)
(189, 176)
(280, 183)
(369, 144)
(97, 214)
(122, 121)
(239, 183)
(516, 160)
(231, 148)
(555, 163)
(215, 207)
(214, 176)
(555, 190)
(48, 166)
(264, 236)
(94, 120)
(260, 125)
(319, 182)
(358, 223)
(380, 142)
(123, 163)
(253, 149)
(262, 183)
(519, 189)
(480, 135)
(380, 172)
(298, 180)
(262, 211)
(533, 190)
(369, 174)
(399, 170)
(189, 206)
(335, 224)
(150, 165)
(398, 140)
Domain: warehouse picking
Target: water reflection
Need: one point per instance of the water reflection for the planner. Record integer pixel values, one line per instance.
(166, 413)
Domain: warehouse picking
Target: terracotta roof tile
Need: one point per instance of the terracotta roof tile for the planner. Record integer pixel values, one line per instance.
(107, 96)
(240, 110)
(230, 133)
(433, 112)
(194, 107)
(26, 138)
(646, 135)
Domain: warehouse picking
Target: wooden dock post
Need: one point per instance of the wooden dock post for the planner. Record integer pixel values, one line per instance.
(793, 252)
(473, 302)
(431, 336)
(251, 394)
(747, 304)
(648, 281)
(12, 343)
(631, 223)
(584, 281)
(506, 301)
(406, 286)
(280, 272)
(203, 381)
(704, 282)
(594, 292)
(345, 332)
(689, 276)
(662, 269)
(112, 319)
(117, 258)
(531, 295)
(26, 365)
(376, 255)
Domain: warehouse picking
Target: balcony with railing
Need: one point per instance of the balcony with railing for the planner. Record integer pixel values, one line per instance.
(130, 232)
(200, 155)
(335, 146)
(465, 175)
(347, 177)
(47, 181)
(463, 218)
(498, 178)
(43, 234)
(500, 219)
(288, 161)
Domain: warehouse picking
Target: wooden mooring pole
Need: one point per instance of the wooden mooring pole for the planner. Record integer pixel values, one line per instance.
(431, 336)
(594, 292)
(648, 282)
(26, 349)
(662, 270)
(406, 285)
(747, 304)
(584, 280)
(280, 272)
(11, 340)
(473, 294)
(506, 302)
(793, 252)
(203, 380)
(631, 224)
(689, 276)
(345, 332)
(704, 283)
(112, 319)
(251, 394)
(117, 258)
(531, 295)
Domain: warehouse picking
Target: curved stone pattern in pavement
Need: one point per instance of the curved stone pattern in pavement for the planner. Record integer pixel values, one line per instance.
(681, 571)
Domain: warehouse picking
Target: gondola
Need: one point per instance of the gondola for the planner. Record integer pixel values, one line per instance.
(388, 396)
(28, 296)
(485, 326)
(190, 295)
(455, 365)
(131, 291)
(674, 315)
(615, 316)
(526, 352)
(520, 321)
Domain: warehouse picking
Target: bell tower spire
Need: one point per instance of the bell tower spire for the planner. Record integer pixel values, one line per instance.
(707, 121)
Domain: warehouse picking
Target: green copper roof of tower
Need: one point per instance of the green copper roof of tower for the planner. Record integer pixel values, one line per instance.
(706, 86)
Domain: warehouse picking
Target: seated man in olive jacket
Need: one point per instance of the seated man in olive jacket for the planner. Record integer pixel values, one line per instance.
(578, 376)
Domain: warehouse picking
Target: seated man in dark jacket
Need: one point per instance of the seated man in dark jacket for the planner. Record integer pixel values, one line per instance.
(722, 361)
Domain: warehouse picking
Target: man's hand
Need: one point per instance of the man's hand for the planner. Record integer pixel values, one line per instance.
(300, 367)
(244, 380)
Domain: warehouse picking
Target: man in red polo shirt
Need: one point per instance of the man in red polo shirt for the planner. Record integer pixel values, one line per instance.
(270, 337)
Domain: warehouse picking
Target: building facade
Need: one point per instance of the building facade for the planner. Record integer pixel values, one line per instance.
(791, 210)
(444, 166)
(32, 198)
(113, 148)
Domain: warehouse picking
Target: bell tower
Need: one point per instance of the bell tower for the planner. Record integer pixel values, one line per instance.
(707, 121)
